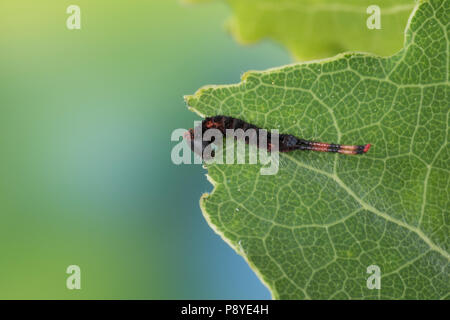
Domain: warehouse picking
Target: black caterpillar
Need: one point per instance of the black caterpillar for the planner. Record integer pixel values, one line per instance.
(287, 142)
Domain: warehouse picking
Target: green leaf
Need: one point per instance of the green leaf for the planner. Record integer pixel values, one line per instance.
(312, 230)
(313, 29)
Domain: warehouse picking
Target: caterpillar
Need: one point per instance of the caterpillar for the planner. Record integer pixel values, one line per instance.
(287, 142)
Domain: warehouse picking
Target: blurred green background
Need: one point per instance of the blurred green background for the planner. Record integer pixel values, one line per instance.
(85, 171)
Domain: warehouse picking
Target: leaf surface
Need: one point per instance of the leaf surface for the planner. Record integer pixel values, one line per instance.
(311, 230)
(312, 29)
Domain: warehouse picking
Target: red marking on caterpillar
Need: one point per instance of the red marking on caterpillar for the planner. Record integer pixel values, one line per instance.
(287, 142)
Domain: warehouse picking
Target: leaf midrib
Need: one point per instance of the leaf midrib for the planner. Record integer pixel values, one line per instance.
(368, 207)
